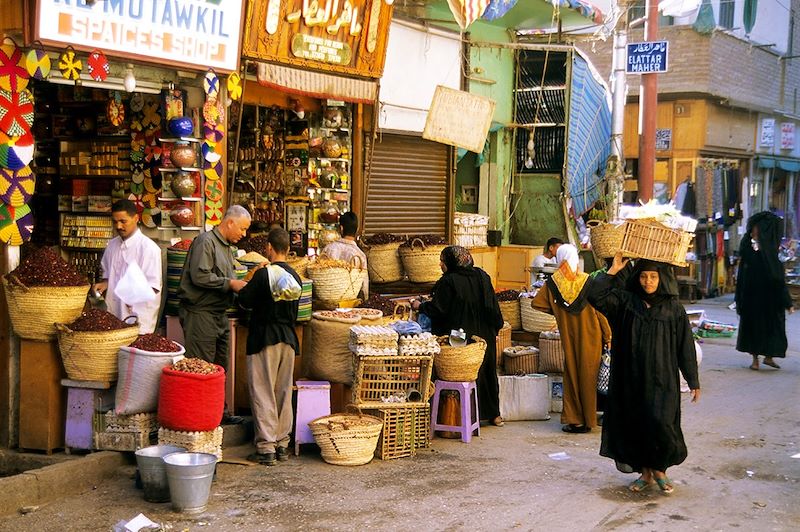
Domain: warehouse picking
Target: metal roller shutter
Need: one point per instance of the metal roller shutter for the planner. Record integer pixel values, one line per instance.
(408, 186)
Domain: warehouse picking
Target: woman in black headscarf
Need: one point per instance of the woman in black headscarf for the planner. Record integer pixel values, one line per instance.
(464, 299)
(761, 293)
(652, 341)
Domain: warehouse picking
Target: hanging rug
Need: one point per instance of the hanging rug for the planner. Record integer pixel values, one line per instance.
(16, 112)
(70, 64)
(98, 66)
(211, 84)
(16, 224)
(15, 157)
(234, 86)
(213, 132)
(37, 63)
(17, 186)
(13, 75)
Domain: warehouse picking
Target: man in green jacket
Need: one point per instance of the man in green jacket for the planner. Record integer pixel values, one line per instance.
(207, 289)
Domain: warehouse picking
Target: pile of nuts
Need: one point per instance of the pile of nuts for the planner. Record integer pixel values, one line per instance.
(45, 267)
(156, 344)
(508, 295)
(195, 365)
(97, 320)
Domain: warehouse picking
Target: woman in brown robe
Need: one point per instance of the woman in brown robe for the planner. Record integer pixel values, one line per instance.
(583, 330)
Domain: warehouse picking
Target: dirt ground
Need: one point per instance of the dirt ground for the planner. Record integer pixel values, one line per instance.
(740, 474)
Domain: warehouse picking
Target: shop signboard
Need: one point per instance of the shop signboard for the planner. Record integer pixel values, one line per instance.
(197, 34)
(787, 135)
(647, 57)
(459, 119)
(663, 139)
(767, 132)
(344, 36)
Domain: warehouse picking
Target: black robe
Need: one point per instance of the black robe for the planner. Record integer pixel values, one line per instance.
(642, 420)
(464, 299)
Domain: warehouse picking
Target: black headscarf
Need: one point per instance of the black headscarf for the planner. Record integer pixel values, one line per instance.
(667, 283)
(769, 239)
(458, 261)
(455, 257)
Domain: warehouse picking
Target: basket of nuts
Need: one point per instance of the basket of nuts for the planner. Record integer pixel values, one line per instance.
(191, 395)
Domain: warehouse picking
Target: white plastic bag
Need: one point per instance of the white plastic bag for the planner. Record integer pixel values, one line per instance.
(133, 288)
(524, 397)
(282, 284)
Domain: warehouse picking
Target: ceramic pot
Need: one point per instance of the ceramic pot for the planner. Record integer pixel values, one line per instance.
(181, 126)
(183, 185)
(182, 155)
(182, 216)
(332, 148)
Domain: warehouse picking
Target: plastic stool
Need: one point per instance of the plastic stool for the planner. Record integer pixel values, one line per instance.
(466, 391)
(313, 401)
(84, 399)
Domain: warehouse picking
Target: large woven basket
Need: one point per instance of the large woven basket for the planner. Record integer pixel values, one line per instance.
(346, 439)
(521, 360)
(459, 364)
(35, 310)
(335, 284)
(606, 238)
(511, 314)
(421, 262)
(298, 264)
(534, 320)
(503, 341)
(383, 263)
(92, 355)
(551, 355)
(649, 239)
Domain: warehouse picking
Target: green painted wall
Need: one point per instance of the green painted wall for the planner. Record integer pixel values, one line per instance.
(540, 213)
(466, 174)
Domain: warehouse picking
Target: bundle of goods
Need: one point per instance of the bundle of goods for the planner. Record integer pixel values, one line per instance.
(459, 364)
(651, 231)
(191, 396)
(406, 428)
(373, 340)
(89, 345)
(140, 366)
(346, 439)
(502, 342)
(419, 344)
(715, 329)
(41, 291)
(176, 258)
(383, 257)
(335, 280)
(123, 432)
(326, 351)
(469, 230)
(208, 441)
(524, 397)
(520, 360)
(509, 307)
(533, 320)
(551, 352)
(380, 380)
(420, 257)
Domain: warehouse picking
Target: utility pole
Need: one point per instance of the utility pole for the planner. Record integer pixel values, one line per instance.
(619, 90)
(648, 111)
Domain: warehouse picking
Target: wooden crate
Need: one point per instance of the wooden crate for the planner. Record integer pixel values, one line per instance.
(406, 428)
(378, 377)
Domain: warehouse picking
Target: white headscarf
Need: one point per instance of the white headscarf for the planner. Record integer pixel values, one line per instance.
(569, 253)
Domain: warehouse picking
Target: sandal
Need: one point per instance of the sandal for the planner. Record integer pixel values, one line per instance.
(665, 484)
(772, 364)
(498, 422)
(576, 429)
(639, 485)
(753, 367)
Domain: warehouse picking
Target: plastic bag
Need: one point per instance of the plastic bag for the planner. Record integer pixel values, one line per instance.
(133, 288)
(282, 284)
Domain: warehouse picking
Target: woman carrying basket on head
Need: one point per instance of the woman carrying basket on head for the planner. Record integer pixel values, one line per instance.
(652, 341)
(464, 299)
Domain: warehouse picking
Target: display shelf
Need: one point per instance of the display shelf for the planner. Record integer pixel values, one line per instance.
(170, 169)
(334, 159)
(86, 231)
(183, 198)
(179, 139)
(177, 228)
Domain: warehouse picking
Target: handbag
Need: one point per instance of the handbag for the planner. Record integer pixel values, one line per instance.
(604, 373)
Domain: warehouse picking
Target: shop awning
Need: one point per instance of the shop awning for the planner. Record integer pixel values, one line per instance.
(317, 84)
(589, 142)
(782, 163)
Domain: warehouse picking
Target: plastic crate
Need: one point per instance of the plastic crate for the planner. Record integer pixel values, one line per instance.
(406, 428)
(380, 377)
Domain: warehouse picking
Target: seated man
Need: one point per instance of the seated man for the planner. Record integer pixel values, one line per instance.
(346, 248)
(548, 258)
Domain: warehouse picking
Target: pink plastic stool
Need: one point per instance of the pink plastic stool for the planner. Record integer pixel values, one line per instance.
(313, 401)
(468, 396)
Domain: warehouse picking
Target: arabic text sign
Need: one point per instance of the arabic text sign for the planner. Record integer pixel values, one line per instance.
(459, 118)
(647, 57)
(205, 33)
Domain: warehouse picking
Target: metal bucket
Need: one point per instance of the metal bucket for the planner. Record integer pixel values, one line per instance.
(189, 476)
(150, 461)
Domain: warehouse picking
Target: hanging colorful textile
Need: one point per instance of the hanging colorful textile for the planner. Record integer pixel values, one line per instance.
(498, 8)
(16, 186)
(467, 11)
(16, 224)
(37, 63)
(98, 65)
(13, 75)
(234, 86)
(16, 112)
(70, 64)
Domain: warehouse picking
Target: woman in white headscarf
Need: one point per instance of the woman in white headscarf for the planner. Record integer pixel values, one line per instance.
(583, 330)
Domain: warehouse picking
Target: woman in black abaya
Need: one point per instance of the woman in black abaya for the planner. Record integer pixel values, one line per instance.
(652, 341)
(464, 299)
(761, 293)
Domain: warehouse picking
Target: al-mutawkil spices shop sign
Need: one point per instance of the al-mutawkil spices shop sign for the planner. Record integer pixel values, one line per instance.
(345, 36)
(196, 33)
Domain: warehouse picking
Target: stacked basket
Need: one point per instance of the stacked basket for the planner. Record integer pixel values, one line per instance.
(92, 355)
(335, 280)
(534, 320)
(383, 263)
(35, 310)
(421, 262)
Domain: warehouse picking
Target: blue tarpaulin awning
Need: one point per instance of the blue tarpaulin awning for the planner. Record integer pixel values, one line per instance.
(782, 163)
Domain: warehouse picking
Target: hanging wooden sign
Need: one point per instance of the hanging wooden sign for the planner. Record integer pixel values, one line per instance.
(346, 36)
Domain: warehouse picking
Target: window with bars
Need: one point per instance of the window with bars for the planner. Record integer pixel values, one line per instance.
(726, 9)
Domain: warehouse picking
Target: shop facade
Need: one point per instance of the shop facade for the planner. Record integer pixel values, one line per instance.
(774, 184)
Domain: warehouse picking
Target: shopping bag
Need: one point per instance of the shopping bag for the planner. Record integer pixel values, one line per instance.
(133, 288)
(604, 373)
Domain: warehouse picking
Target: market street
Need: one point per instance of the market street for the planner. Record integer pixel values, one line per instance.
(740, 474)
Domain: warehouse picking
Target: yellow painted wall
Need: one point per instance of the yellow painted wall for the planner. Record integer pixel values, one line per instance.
(686, 119)
(729, 129)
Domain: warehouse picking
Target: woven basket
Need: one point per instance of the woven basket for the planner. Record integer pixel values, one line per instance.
(469, 230)
(298, 264)
(335, 284)
(649, 239)
(92, 355)
(511, 314)
(383, 263)
(35, 310)
(194, 442)
(421, 262)
(606, 238)
(551, 356)
(521, 361)
(346, 439)
(502, 342)
(460, 364)
(534, 320)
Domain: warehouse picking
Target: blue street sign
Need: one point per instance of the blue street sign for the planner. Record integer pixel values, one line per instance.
(647, 57)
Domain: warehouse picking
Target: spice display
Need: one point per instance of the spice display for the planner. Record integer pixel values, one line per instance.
(379, 302)
(253, 256)
(383, 238)
(508, 295)
(97, 320)
(45, 267)
(183, 245)
(155, 343)
(427, 240)
(195, 365)
(257, 243)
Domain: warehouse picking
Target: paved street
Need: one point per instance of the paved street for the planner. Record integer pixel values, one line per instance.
(740, 474)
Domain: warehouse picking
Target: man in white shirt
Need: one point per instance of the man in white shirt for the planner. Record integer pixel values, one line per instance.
(548, 258)
(131, 247)
(346, 248)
